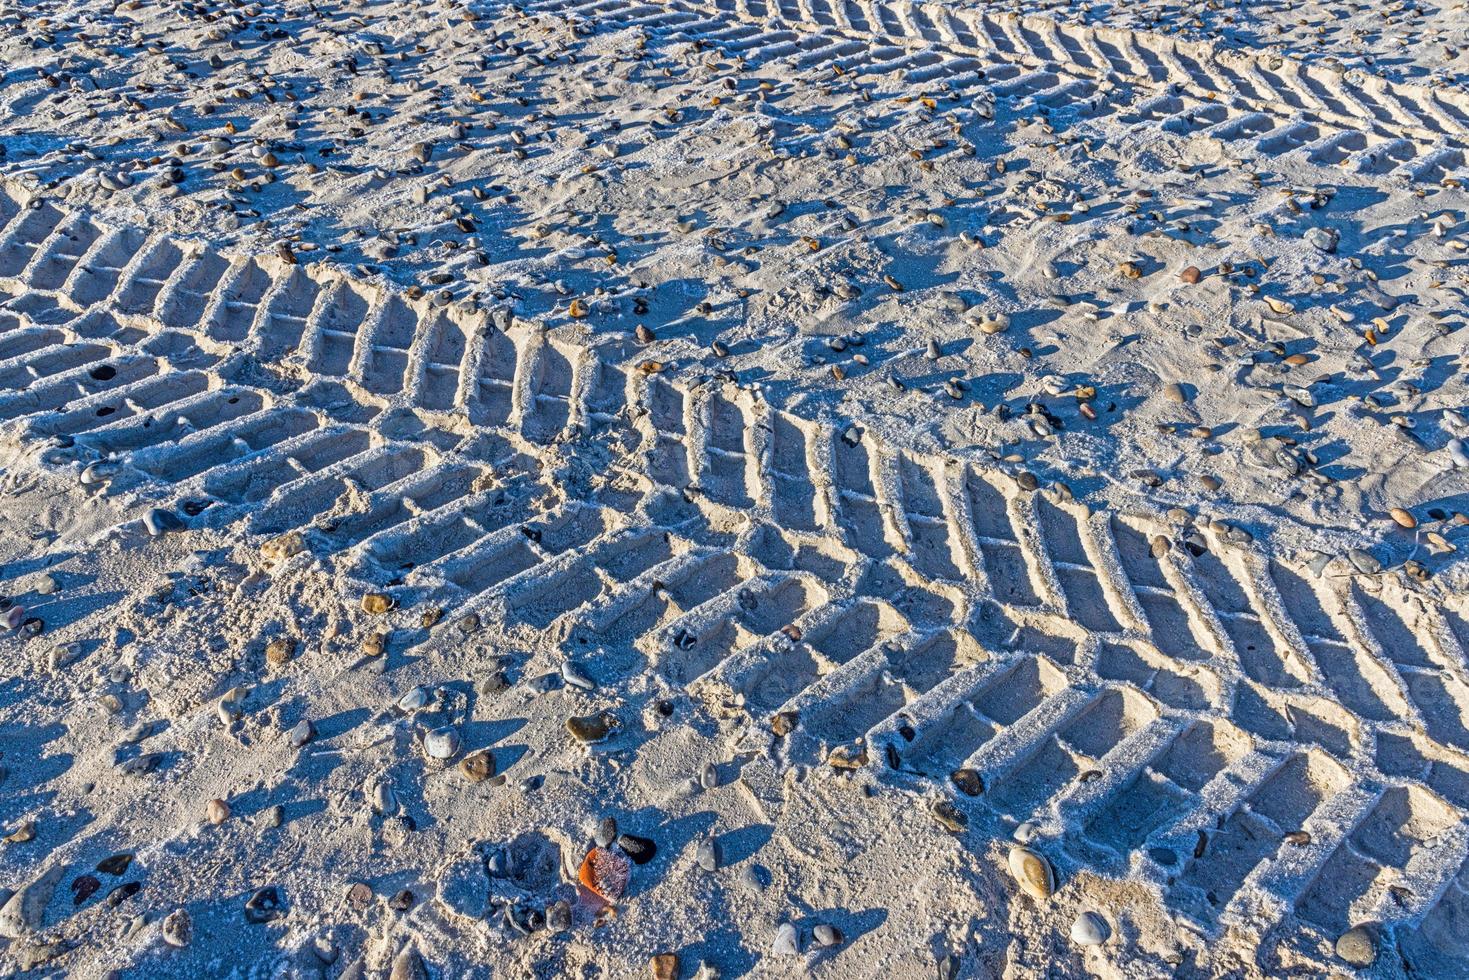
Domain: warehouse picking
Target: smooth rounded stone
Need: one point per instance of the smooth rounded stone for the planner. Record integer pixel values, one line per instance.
(302, 733)
(178, 929)
(216, 812)
(787, 941)
(709, 777)
(478, 766)
(967, 781)
(1358, 946)
(1174, 392)
(442, 743)
(464, 888)
(46, 585)
(1403, 518)
(413, 700)
(588, 729)
(606, 832)
(707, 854)
(159, 522)
(640, 850)
(264, 906)
(827, 935)
(1364, 562)
(114, 181)
(1090, 929)
(1032, 873)
(574, 676)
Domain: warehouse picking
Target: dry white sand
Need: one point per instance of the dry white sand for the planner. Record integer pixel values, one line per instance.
(910, 428)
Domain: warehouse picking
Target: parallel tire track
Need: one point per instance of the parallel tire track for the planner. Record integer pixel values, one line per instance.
(912, 614)
(1259, 105)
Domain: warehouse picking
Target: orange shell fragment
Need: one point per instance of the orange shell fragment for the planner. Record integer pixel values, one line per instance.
(605, 873)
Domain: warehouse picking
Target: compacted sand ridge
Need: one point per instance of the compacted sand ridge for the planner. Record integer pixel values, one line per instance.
(722, 488)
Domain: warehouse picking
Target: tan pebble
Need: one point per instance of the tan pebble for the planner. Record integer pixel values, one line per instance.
(1190, 275)
(478, 766)
(283, 547)
(216, 812)
(375, 603)
(1404, 518)
(375, 644)
(1174, 392)
(848, 756)
(1130, 270)
(279, 650)
(664, 966)
(1211, 483)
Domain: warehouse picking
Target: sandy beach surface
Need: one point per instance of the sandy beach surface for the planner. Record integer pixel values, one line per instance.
(721, 488)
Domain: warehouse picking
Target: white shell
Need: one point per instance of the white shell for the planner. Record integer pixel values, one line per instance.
(1090, 929)
(1458, 453)
(573, 675)
(413, 700)
(787, 941)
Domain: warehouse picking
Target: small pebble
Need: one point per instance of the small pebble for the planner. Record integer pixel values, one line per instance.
(1358, 946)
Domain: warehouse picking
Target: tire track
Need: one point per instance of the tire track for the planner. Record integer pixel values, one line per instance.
(1260, 104)
(1175, 713)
